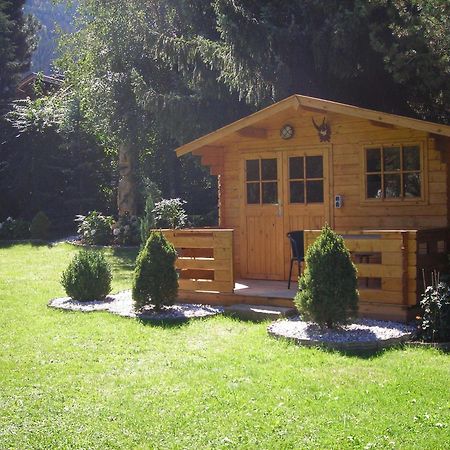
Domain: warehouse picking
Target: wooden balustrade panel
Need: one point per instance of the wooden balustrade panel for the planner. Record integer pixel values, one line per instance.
(205, 259)
(387, 259)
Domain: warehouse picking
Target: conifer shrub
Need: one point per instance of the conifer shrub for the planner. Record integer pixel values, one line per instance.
(155, 278)
(40, 226)
(88, 276)
(328, 292)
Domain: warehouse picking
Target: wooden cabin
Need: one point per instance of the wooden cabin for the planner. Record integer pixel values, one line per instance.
(380, 180)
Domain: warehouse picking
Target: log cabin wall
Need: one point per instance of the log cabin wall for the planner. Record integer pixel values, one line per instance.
(344, 175)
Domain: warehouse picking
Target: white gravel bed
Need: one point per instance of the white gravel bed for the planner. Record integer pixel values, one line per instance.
(361, 334)
(122, 304)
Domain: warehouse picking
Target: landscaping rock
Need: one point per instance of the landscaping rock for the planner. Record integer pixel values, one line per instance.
(122, 304)
(361, 335)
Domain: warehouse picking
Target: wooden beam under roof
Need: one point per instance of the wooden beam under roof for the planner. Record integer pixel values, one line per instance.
(208, 149)
(253, 132)
(376, 123)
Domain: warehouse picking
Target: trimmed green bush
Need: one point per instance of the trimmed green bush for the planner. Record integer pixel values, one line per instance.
(155, 278)
(40, 226)
(88, 276)
(328, 291)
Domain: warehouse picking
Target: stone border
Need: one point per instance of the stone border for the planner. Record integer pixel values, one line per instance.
(346, 346)
(122, 305)
(372, 345)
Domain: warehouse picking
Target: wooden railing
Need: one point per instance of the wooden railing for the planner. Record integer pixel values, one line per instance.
(386, 263)
(205, 258)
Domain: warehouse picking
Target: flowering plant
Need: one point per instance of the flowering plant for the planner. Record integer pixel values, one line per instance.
(14, 229)
(126, 230)
(95, 228)
(170, 213)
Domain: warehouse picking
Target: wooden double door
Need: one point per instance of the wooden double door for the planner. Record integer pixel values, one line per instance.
(284, 190)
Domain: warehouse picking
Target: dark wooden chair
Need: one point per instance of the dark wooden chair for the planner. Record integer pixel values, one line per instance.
(296, 239)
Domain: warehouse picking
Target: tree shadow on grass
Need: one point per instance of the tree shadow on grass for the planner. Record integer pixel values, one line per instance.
(360, 353)
(164, 323)
(17, 242)
(124, 258)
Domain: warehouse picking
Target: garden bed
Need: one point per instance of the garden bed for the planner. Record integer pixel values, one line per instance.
(361, 335)
(122, 305)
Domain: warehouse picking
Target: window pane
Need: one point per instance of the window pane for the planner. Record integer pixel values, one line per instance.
(269, 169)
(297, 192)
(411, 158)
(391, 159)
(373, 186)
(314, 167)
(269, 193)
(296, 167)
(373, 160)
(314, 191)
(252, 193)
(412, 184)
(392, 186)
(253, 170)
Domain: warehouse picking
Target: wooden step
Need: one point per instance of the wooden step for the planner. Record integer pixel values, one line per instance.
(259, 313)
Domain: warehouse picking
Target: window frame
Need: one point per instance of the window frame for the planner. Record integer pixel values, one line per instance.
(304, 180)
(260, 182)
(402, 199)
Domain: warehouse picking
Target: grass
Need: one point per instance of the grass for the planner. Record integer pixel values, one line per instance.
(93, 380)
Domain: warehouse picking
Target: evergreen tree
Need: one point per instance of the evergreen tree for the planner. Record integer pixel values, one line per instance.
(16, 43)
(391, 56)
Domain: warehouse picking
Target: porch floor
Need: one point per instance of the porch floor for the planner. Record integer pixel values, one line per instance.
(265, 288)
(276, 293)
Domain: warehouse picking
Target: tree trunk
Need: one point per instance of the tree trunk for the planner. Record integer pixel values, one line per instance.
(126, 195)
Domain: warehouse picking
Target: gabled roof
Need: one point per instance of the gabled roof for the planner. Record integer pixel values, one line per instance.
(33, 76)
(316, 105)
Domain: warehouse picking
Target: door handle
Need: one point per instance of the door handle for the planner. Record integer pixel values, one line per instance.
(280, 210)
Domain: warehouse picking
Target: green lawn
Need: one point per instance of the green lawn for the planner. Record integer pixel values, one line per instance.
(94, 380)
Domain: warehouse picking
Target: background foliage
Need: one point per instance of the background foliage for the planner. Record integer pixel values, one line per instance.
(154, 75)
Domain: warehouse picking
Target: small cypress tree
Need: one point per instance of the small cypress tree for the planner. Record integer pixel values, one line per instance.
(40, 225)
(328, 291)
(155, 278)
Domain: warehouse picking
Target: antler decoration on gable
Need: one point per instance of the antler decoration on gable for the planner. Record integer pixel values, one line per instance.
(323, 129)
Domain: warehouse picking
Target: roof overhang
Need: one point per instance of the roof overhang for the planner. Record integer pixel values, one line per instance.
(301, 102)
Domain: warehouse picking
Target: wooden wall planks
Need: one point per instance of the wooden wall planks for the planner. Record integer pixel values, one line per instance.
(349, 135)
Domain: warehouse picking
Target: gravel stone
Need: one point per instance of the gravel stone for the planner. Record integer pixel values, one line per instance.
(361, 334)
(122, 304)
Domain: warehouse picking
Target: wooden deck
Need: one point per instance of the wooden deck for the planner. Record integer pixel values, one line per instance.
(275, 293)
